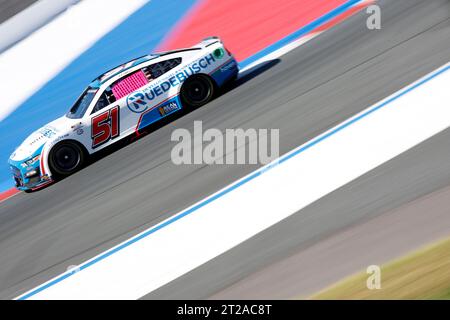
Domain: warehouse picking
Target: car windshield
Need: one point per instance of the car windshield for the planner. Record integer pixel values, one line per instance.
(83, 102)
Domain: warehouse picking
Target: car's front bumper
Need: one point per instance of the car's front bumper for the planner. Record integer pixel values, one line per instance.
(28, 178)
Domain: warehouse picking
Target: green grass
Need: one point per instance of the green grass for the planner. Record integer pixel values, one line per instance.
(424, 274)
(444, 296)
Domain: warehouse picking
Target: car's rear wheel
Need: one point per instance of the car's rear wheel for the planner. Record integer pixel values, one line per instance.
(66, 158)
(197, 91)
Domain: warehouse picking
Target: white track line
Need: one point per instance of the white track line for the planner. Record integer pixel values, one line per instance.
(31, 63)
(262, 199)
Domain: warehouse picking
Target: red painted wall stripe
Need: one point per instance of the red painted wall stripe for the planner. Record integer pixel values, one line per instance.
(247, 26)
(345, 16)
(8, 194)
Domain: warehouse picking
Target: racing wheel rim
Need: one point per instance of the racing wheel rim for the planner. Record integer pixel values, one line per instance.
(197, 91)
(66, 158)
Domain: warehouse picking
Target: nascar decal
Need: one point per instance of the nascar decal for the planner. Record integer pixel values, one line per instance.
(105, 127)
(138, 102)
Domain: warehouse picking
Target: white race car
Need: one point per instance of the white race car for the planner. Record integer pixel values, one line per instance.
(120, 103)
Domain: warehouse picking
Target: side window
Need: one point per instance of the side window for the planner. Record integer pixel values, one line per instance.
(134, 81)
(105, 100)
(158, 69)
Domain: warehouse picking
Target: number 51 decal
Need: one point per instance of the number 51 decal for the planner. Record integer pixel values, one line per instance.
(105, 127)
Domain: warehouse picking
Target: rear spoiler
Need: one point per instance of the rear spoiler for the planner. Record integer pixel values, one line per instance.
(201, 45)
(207, 42)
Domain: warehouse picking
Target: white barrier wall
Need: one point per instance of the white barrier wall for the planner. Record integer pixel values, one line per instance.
(29, 20)
(51, 48)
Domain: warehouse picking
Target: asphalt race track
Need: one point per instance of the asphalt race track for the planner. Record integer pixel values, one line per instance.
(305, 93)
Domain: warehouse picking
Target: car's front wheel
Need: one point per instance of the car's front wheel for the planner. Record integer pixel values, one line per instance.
(197, 90)
(66, 158)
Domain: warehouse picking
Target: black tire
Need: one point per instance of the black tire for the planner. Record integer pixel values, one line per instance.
(66, 158)
(197, 91)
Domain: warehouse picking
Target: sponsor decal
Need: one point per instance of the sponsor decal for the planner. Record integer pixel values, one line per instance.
(48, 132)
(55, 141)
(168, 108)
(136, 102)
(139, 101)
(30, 162)
(219, 53)
(78, 128)
(36, 140)
(60, 138)
(228, 66)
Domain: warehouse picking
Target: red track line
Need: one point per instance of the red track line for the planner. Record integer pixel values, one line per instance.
(8, 194)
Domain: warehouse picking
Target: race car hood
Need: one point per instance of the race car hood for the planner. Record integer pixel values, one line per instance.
(38, 138)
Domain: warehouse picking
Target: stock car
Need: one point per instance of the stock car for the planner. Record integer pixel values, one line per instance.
(120, 103)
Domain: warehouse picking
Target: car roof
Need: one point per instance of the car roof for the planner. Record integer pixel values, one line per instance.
(97, 82)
